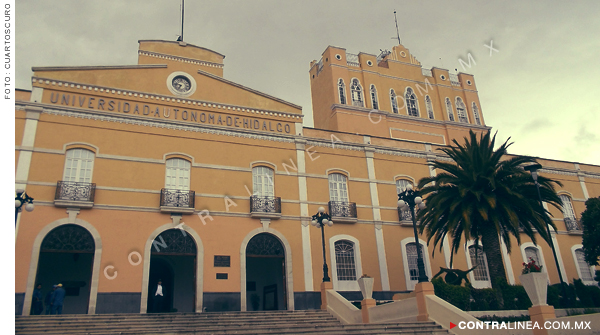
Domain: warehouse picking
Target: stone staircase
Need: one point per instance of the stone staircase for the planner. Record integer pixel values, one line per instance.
(272, 322)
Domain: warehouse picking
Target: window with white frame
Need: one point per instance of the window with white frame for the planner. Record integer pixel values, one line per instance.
(585, 271)
(461, 111)
(262, 182)
(478, 258)
(476, 114)
(401, 184)
(532, 253)
(342, 91)
(411, 102)
(567, 206)
(345, 260)
(394, 101)
(429, 107)
(449, 109)
(411, 258)
(178, 174)
(78, 166)
(338, 190)
(356, 90)
(374, 97)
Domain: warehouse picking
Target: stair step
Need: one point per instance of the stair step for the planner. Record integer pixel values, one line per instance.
(307, 322)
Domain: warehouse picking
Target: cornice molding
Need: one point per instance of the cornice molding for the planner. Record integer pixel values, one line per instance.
(179, 59)
(97, 67)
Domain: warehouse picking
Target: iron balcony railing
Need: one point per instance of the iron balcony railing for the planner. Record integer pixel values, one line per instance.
(572, 224)
(404, 215)
(265, 204)
(74, 191)
(352, 59)
(177, 198)
(454, 80)
(342, 209)
(426, 72)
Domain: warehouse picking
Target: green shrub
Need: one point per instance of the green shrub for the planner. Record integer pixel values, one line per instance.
(585, 298)
(515, 297)
(484, 299)
(594, 292)
(453, 294)
(504, 318)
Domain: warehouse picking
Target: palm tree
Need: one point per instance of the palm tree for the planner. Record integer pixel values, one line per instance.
(484, 194)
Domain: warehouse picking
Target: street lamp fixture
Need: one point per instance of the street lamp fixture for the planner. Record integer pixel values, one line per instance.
(408, 199)
(21, 199)
(319, 220)
(533, 170)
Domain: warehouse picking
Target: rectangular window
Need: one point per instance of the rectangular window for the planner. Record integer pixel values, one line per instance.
(337, 187)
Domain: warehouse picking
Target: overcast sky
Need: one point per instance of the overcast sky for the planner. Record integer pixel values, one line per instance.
(542, 86)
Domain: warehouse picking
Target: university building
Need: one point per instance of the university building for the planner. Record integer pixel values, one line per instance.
(166, 170)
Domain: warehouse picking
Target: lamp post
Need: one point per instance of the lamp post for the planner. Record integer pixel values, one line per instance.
(533, 170)
(410, 198)
(319, 220)
(21, 199)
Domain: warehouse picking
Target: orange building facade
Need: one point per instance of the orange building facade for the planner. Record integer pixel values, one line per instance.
(166, 170)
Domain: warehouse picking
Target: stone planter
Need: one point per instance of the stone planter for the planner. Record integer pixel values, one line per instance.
(366, 287)
(536, 286)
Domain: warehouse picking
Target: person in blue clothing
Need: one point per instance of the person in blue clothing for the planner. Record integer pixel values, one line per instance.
(37, 306)
(49, 298)
(58, 299)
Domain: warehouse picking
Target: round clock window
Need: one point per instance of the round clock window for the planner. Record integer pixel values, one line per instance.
(181, 84)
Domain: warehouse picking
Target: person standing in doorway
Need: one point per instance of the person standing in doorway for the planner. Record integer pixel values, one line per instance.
(58, 299)
(48, 300)
(36, 305)
(158, 297)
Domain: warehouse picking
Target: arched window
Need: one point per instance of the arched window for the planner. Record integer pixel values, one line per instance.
(344, 260)
(411, 102)
(78, 166)
(374, 97)
(476, 114)
(429, 107)
(356, 89)
(569, 213)
(342, 91)
(449, 109)
(262, 182)
(477, 257)
(461, 111)
(338, 190)
(409, 257)
(584, 269)
(531, 253)
(401, 185)
(344, 251)
(394, 101)
(178, 174)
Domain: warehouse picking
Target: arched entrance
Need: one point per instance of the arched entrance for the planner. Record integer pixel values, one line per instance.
(67, 258)
(173, 261)
(265, 274)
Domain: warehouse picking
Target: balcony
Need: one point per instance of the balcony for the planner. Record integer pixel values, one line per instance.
(352, 60)
(573, 226)
(177, 201)
(73, 194)
(404, 217)
(265, 207)
(454, 80)
(344, 212)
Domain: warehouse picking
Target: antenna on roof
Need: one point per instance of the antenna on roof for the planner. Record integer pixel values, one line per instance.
(397, 31)
(180, 38)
